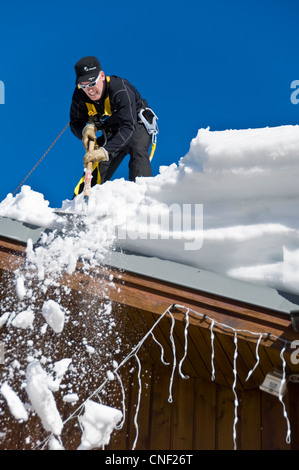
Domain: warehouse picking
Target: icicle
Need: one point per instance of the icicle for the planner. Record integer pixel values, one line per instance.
(213, 350)
(236, 403)
(138, 401)
(120, 425)
(186, 347)
(174, 358)
(282, 383)
(257, 357)
(161, 348)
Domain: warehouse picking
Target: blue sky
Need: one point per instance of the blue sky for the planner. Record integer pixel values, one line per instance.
(226, 65)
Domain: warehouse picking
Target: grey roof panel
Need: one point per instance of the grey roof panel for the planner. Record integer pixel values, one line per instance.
(19, 231)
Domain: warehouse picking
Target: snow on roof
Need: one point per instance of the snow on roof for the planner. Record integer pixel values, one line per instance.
(228, 207)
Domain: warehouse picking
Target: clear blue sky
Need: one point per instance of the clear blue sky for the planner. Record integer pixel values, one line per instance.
(222, 64)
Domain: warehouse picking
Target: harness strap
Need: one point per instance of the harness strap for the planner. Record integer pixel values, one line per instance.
(91, 109)
(151, 127)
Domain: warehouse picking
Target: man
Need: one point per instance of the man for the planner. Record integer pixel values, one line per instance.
(111, 105)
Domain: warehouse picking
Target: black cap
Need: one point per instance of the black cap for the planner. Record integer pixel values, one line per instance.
(87, 69)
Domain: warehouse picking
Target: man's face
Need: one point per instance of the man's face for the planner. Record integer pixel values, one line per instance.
(96, 91)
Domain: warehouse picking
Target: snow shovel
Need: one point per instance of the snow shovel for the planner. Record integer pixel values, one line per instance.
(88, 177)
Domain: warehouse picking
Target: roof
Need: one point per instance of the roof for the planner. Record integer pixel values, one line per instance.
(172, 272)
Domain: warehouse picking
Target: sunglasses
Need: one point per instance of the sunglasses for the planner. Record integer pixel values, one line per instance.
(91, 84)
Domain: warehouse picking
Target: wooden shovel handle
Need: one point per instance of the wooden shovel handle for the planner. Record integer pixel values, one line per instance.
(88, 174)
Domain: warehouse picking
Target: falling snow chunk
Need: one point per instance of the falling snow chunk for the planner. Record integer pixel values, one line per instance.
(110, 375)
(20, 288)
(98, 423)
(71, 398)
(60, 369)
(24, 319)
(14, 403)
(54, 444)
(42, 398)
(54, 316)
(90, 349)
(4, 318)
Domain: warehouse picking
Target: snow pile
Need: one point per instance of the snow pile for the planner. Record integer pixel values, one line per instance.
(28, 206)
(98, 423)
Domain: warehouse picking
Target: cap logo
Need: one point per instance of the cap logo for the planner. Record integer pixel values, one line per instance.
(88, 69)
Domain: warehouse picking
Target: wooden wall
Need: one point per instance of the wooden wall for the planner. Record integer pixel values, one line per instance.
(202, 413)
(201, 417)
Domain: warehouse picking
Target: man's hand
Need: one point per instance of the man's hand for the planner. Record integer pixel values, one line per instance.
(98, 155)
(88, 133)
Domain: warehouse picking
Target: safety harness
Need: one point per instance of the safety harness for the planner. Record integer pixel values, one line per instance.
(149, 119)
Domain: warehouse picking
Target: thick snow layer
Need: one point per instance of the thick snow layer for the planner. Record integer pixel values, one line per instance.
(230, 206)
(98, 422)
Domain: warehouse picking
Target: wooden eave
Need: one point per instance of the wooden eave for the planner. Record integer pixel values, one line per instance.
(155, 296)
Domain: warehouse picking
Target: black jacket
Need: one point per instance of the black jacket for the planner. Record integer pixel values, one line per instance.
(125, 102)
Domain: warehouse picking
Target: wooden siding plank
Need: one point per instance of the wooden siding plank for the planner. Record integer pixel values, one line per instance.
(293, 390)
(224, 419)
(183, 414)
(249, 436)
(204, 415)
(161, 416)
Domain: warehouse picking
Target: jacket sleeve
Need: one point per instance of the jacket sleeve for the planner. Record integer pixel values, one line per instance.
(78, 116)
(124, 110)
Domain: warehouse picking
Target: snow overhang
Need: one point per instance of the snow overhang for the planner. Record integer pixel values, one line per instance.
(172, 272)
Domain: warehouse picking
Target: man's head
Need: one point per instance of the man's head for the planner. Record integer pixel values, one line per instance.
(90, 77)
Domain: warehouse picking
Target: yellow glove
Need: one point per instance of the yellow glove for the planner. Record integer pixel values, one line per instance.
(98, 155)
(88, 133)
